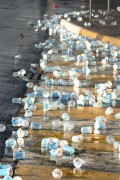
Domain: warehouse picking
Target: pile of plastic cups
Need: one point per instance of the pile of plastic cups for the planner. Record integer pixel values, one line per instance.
(85, 64)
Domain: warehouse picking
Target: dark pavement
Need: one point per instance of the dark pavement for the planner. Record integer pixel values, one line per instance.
(16, 38)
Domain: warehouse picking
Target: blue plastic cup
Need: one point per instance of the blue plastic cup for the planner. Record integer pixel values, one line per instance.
(54, 143)
(7, 178)
(110, 139)
(68, 126)
(20, 133)
(19, 155)
(56, 152)
(45, 142)
(46, 105)
(16, 74)
(99, 125)
(86, 130)
(10, 143)
(2, 127)
(32, 70)
(117, 146)
(68, 149)
(65, 116)
(17, 100)
(35, 125)
(55, 94)
(56, 124)
(5, 172)
(28, 113)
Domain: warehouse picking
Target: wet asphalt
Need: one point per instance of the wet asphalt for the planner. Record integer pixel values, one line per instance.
(16, 38)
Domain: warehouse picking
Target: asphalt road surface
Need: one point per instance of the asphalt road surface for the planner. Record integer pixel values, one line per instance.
(16, 38)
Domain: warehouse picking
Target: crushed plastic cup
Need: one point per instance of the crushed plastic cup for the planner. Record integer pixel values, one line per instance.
(56, 152)
(116, 146)
(86, 130)
(80, 102)
(20, 133)
(63, 143)
(32, 23)
(45, 142)
(68, 126)
(31, 107)
(117, 116)
(62, 82)
(61, 105)
(81, 97)
(26, 79)
(46, 94)
(34, 65)
(73, 95)
(110, 139)
(101, 119)
(53, 106)
(46, 105)
(79, 19)
(17, 178)
(45, 56)
(18, 153)
(78, 163)
(31, 95)
(64, 96)
(56, 124)
(8, 152)
(68, 149)
(71, 103)
(65, 117)
(55, 94)
(69, 19)
(35, 125)
(54, 143)
(6, 172)
(57, 74)
(7, 178)
(22, 72)
(30, 85)
(109, 111)
(99, 125)
(28, 113)
(16, 74)
(38, 90)
(16, 121)
(97, 104)
(25, 123)
(2, 166)
(10, 143)
(17, 100)
(32, 70)
(57, 173)
(114, 23)
(77, 172)
(44, 150)
(49, 81)
(2, 127)
(30, 100)
(54, 158)
(77, 138)
(20, 142)
(67, 158)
